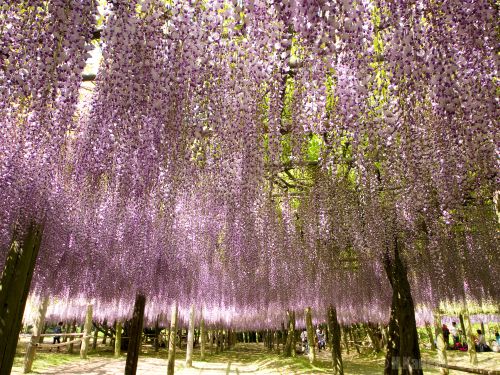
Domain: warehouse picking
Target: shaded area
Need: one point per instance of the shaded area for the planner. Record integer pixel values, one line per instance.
(243, 359)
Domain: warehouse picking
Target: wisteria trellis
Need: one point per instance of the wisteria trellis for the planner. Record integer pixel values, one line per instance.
(165, 184)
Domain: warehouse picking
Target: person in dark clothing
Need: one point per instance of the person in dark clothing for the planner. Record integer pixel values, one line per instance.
(481, 345)
(58, 329)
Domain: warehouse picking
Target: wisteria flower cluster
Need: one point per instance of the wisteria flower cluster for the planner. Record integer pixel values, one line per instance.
(252, 157)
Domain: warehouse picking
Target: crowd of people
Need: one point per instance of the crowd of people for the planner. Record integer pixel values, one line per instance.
(460, 342)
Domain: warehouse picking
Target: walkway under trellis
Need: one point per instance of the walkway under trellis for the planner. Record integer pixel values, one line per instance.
(243, 359)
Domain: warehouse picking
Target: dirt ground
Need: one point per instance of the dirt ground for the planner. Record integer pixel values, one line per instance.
(243, 359)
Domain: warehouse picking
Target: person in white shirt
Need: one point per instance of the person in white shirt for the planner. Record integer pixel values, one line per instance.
(303, 338)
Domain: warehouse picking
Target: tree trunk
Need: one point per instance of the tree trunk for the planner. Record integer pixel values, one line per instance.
(409, 351)
(118, 339)
(375, 336)
(441, 345)
(86, 333)
(203, 338)
(346, 338)
(408, 334)
(431, 337)
(134, 344)
(15, 284)
(171, 341)
(190, 339)
(470, 340)
(335, 335)
(393, 343)
(37, 327)
(353, 340)
(310, 335)
(290, 338)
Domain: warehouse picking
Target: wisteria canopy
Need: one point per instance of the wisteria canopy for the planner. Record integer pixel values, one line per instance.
(252, 157)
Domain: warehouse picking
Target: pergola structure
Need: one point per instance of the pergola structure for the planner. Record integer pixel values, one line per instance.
(251, 159)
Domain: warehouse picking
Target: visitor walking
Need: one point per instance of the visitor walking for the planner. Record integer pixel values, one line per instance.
(303, 338)
(57, 338)
(321, 339)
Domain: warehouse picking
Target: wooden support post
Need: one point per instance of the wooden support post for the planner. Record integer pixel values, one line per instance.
(73, 330)
(335, 336)
(106, 330)
(156, 343)
(96, 334)
(134, 343)
(66, 329)
(462, 325)
(118, 339)
(86, 333)
(196, 337)
(441, 345)
(290, 338)
(15, 284)
(44, 330)
(179, 333)
(37, 327)
(470, 339)
(276, 341)
(171, 343)
(310, 335)
(283, 337)
(203, 338)
(190, 339)
(217, 340)
(211, 341)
